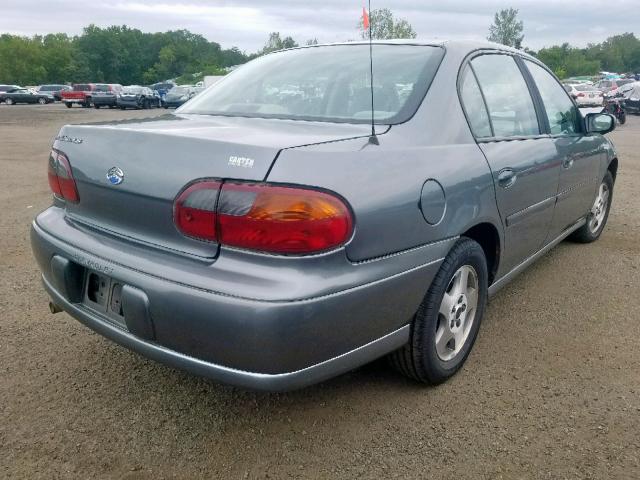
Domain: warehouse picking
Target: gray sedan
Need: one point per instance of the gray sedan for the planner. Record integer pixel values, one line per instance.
(297, 220)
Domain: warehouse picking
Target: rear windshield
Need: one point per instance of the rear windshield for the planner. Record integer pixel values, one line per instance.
(102, 88)
(179, 90)
(162, 86)
(330, 83)
(584, 88)
(134, 90)
(81, 87)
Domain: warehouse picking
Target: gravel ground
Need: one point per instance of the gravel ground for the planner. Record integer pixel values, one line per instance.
(551, 390)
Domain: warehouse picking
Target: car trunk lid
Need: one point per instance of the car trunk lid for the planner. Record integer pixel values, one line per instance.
(159, 157)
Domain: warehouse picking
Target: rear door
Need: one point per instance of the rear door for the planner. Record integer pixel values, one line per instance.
(522, 158)
(578, 154)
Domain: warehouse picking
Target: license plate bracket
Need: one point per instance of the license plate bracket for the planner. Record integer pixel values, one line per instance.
(103, 294)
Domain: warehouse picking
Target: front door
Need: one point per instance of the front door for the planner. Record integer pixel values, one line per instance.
(578, 154)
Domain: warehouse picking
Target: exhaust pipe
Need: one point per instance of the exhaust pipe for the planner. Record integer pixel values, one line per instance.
(53, 308)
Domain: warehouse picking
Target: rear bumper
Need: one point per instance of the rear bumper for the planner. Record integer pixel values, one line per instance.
(104, 101)
(173, 104)
(128, 103)
(270, 343)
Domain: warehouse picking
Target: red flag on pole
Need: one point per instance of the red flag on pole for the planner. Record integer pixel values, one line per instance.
(365, 18)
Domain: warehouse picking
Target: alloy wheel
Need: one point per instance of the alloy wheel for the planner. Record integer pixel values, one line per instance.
(599, 209)
(457, 313)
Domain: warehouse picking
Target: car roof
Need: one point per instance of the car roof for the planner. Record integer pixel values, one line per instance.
(460, 45)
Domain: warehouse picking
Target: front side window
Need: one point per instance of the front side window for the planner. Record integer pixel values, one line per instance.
(561, 112)
(511, 108)
(329, 83)
(474, 105)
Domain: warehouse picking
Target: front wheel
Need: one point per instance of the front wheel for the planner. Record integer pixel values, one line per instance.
(42, 101)
(68, 105)
(9, 101)
(598, 215)
(447, 322)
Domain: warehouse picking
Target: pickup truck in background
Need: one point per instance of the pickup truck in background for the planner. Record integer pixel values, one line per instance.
(81, 95)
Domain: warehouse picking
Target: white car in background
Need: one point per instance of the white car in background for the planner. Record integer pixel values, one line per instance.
(584, 95)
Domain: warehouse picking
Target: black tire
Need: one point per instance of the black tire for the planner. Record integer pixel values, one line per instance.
(96, 106)
(622, 118)
(419, 358)
(42, 101)
(123, 108)
(586, 234)
(9, 101)
(69, 105)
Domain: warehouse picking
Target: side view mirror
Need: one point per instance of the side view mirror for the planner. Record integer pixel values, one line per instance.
(600, 123)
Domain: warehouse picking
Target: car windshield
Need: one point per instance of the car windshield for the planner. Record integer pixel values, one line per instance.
(132, 90)
(330, 83)
(102, 88)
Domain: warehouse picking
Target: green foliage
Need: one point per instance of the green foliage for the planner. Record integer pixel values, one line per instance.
(276, 42)
(117, 54)
(385, 26)
(507, 29)
(620, 53)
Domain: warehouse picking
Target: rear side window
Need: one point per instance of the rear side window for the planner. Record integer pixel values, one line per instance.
(474, 105)
(511, 108)
(561, 112)
(82, 87)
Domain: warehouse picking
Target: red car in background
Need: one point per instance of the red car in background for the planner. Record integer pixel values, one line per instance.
(81, 94)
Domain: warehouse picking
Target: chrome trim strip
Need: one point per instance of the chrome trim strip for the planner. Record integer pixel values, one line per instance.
(252, 380)
(508, 277)
(530, 210)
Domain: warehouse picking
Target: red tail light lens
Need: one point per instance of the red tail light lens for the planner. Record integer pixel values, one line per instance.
(266, 218)
(282, 219)
(581, 94)
(195, 210)
(61, 178)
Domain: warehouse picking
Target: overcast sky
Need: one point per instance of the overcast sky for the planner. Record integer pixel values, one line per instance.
(246, 23)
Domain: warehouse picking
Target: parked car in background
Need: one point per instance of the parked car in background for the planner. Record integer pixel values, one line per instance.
(24, 95)
(179, 95)
(54, 90)
(136, 96)
(610, 87)
(585, 95)
(81, 94)
(632, 98)
(272, 241)
(162, 88)
(106, 95)
(6, 88)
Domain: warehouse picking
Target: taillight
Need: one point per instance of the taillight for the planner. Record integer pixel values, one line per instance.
(195, 210)
(263, 217)
(61, 177)
(581, 94)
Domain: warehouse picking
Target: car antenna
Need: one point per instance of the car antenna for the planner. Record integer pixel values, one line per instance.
(373, 139)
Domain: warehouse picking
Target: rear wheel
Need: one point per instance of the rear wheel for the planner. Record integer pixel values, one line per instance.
(9, 101)
(69, 105)
(622, 118)
(598, 215)
(96, 106)
(446, 325)
(42, 101)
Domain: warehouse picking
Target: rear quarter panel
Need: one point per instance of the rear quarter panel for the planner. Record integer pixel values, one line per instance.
(383, 182)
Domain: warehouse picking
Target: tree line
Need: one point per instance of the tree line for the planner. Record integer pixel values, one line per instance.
(112, 54)
(129, 56)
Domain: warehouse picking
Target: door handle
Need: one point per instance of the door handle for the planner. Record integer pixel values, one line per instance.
(506, 178)
(567, 162)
